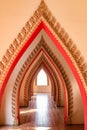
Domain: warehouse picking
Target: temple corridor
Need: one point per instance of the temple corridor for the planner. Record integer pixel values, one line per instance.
(42, 114)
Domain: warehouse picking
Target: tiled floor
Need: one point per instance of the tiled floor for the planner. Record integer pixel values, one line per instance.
(42, 114)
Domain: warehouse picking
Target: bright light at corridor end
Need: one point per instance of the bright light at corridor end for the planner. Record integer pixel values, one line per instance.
(42, 128)
(42, 78)
(33, 128)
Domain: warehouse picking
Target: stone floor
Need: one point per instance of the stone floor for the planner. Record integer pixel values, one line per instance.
(42, 114)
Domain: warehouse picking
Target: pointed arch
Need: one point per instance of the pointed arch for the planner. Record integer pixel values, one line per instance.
(68, 86)
(42, 79)
(43, 19)
(34, 72)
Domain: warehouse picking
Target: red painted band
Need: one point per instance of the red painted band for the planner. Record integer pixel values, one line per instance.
(81, 86)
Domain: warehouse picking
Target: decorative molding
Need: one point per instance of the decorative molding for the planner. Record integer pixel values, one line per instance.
(34, 72)
(28, 61)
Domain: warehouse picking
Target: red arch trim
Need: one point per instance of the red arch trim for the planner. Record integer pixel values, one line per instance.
(42, 50)
(60, 48)
(34, 34)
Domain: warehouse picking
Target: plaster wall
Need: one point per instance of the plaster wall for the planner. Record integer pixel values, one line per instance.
(71, 14)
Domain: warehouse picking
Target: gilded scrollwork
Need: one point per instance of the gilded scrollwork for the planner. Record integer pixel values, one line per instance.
(43, 45)
(27, 27)
(59, 33)
(77, 55)
(43, 11)
(15, 43)
(1, 66)
(8, 54)
(57, 28)
(19, 38)
(23, 32)
(4, 60)
(11, 49)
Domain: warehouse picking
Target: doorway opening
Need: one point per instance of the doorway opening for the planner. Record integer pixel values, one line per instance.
(42, 83)
(42, 112)
(42, 78)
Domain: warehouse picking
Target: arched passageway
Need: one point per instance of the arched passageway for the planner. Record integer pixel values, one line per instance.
(63, 63)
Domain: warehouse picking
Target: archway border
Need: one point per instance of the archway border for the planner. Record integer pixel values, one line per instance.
(68, 50)
(67, 82)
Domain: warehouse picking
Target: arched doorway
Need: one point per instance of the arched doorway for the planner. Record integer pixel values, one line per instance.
(73, 62)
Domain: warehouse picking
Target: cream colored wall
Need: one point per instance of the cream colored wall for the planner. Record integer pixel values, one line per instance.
(42, 89)
(71, 14)
(14, 14)
(13, 76)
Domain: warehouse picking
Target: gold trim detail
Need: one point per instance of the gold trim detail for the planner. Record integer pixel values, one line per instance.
(28, 61)
(43, 14)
